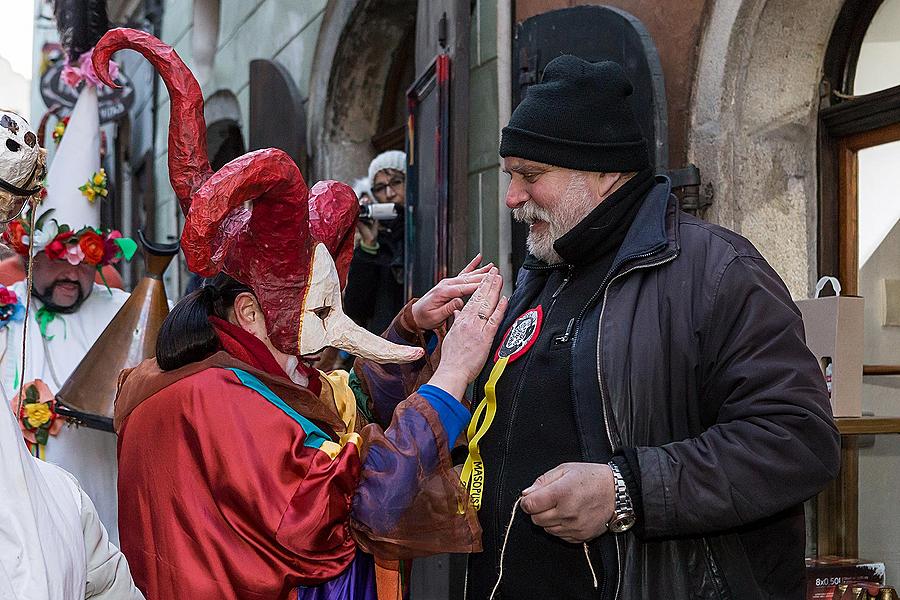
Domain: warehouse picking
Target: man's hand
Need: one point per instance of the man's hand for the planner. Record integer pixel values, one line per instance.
(574, 501)
(468, 342)
(440, 302)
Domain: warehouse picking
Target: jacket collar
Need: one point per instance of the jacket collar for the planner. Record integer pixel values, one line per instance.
(654, 227)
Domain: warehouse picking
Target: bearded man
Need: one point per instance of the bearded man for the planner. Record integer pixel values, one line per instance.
(69, 310)
(659, 417)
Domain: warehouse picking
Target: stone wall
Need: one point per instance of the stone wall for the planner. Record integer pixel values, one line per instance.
(753, 125)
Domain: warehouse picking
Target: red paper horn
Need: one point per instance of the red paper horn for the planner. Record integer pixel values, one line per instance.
(189, 164)
(271, 250)
(333, 210)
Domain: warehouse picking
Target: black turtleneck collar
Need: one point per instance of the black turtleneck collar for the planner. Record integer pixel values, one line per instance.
(604, 228)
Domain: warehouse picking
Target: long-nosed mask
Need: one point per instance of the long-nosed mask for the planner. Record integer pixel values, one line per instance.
(284, 246)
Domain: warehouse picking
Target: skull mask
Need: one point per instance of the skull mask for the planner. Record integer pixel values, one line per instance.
(21, 164)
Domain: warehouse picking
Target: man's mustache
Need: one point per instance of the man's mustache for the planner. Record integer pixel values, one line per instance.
(531, 212)
(62, 281)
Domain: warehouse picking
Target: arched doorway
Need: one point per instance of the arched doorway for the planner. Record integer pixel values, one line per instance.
(223, 128)
(363, 64)
(753, 127)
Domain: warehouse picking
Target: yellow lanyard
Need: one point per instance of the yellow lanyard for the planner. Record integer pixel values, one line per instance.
(472, 474)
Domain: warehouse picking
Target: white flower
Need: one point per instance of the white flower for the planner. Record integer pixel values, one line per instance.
(44, 236)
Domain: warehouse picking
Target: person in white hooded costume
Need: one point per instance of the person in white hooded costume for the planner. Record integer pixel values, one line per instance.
(52, 543)
(68, 310)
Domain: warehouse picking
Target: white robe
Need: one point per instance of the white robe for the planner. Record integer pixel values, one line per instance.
(52, 544)
(88, 454)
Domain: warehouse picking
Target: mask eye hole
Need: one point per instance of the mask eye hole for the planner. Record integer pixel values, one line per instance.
(322, 312)
(13, 145)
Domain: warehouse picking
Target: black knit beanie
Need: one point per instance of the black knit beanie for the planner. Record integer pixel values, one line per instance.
(578, 117)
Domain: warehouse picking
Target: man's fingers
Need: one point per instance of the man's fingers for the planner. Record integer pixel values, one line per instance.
(473, 277)
(540, 501)
(492, 296)
(474, 303)
(546, 479)
(497, 317)
(548, 518)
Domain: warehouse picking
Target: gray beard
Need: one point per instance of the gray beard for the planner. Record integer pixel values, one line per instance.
(578, 203)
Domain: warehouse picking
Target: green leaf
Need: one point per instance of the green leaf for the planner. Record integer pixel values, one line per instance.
(42, 435)
(39, 224)
(64, 229)
(31, 394)
(128, 247)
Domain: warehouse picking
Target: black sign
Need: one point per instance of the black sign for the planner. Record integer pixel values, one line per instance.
(114, 103)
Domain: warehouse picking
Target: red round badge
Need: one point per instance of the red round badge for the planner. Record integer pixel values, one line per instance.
(521, 335)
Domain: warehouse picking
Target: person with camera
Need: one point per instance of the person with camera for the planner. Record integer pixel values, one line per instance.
(374, 291)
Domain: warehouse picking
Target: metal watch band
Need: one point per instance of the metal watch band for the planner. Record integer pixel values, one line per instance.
(623, 499)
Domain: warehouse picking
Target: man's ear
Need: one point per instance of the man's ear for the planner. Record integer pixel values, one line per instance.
(247, 314)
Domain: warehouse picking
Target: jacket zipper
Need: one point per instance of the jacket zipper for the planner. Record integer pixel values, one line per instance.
(603, 400)
(515, 403)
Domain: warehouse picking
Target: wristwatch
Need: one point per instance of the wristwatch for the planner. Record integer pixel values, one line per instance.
(623, 514)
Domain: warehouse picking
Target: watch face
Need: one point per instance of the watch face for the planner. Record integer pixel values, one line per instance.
(621, 523)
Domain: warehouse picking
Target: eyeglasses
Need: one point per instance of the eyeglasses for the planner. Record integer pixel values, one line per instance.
(394, 183)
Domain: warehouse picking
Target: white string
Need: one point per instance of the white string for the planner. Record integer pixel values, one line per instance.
(512, 517)
(587, 555)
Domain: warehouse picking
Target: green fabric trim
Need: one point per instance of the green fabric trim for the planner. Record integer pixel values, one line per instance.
(44, 317)
(315, 437)
(362, 398)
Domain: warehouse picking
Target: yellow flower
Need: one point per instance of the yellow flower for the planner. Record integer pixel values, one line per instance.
(99, 178)
(37, 413)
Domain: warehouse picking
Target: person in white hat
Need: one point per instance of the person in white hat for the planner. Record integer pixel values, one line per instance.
(68, 310)
(374, 291)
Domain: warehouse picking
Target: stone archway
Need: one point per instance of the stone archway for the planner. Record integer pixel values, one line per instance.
(357, 46)
(224, 138)
(753, 125)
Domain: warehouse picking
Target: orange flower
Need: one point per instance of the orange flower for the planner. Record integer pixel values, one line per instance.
(93, 247)
(13, 235)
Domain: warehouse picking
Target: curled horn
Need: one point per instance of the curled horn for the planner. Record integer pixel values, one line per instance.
(189, 164)
(333, 210)
(270, 250)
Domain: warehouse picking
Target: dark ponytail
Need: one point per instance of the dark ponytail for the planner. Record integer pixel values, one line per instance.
(186, 335)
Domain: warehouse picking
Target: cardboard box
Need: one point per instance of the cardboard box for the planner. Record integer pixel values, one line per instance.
(835, 329)
(826, 573)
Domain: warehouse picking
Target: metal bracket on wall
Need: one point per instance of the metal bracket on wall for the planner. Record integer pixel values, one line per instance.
(686, 185)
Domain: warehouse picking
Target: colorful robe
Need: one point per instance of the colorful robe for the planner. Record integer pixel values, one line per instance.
(237, 483)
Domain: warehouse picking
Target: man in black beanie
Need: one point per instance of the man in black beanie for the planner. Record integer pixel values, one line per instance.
(659, 417)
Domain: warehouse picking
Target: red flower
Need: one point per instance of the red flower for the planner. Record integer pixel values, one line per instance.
(57, 248)
(93, 247)
(111, 248)
(7, 296)
(13, 236)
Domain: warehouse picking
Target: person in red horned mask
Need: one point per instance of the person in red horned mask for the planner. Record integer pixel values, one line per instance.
(245, 473)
